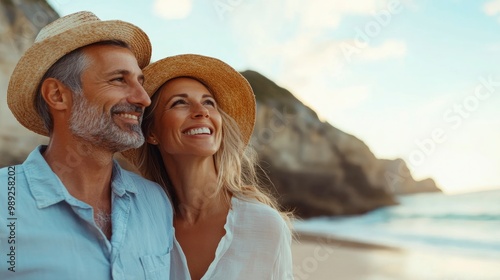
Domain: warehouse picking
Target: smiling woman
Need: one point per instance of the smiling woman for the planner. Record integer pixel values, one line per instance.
(197, 130)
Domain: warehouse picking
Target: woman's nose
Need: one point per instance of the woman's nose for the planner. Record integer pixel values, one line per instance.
(200, 111)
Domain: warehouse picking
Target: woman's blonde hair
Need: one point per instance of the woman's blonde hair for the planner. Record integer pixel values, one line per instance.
(235, 163)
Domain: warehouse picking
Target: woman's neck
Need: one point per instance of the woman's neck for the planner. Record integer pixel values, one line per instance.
(196, 190)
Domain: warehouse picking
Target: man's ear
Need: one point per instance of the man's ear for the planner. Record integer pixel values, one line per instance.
(56, 94)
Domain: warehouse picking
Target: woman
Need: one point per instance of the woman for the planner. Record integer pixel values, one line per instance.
(197, 128)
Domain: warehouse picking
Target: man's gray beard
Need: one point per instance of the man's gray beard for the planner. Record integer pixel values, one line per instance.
(99, 129)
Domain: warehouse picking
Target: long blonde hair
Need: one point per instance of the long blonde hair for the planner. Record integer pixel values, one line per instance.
(235, 163)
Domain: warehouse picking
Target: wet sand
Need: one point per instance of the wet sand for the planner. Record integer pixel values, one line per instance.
(325, 258)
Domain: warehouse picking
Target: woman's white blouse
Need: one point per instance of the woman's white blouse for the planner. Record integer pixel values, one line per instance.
(256, 246)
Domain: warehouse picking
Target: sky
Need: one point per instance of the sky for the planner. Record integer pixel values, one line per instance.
(413, 79)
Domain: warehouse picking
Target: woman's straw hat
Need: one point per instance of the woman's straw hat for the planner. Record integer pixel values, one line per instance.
(57, 39)
(231, 90)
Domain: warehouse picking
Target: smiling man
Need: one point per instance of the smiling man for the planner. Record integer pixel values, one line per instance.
(69, 211)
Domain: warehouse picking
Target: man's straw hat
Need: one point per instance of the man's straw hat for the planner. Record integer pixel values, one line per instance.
(231, 90)
(57, 39)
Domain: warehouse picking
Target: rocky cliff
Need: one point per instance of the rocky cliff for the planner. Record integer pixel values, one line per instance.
(20, 22)
(316, 169)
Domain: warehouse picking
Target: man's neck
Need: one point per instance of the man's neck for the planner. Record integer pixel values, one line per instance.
(84, 170)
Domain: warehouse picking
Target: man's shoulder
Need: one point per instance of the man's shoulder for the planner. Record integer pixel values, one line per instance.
(147, 191)
(141, 184)
(11, 180)
(137, 177)
(11, 170)
(32, 161)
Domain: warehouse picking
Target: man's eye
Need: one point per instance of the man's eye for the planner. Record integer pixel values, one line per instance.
(118, 79)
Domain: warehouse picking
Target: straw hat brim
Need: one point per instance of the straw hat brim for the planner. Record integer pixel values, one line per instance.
(42, 55)
(231, 90)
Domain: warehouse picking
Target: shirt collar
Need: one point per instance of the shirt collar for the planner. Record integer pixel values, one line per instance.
(48, 189)
(121, 181)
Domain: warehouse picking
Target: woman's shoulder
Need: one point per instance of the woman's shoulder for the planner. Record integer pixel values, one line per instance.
(252, 211)
(257, 223)
(253, 206)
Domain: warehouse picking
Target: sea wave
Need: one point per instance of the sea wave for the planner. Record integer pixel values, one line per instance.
(464, 224)
(446, 216)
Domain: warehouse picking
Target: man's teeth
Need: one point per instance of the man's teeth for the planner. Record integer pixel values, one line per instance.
(196, 131)
(129, 116)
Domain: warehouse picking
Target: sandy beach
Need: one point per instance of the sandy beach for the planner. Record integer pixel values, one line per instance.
(326, 258)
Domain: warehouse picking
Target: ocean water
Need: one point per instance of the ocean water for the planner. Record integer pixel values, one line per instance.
(463, 224)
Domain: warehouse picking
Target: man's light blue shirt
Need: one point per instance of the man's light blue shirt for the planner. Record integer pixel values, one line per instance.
(45, 233)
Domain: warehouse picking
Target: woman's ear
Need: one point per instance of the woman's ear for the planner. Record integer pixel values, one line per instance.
(151, 139)
(55, 94)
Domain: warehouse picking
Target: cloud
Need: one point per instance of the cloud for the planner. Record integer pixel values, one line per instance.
(350, 97)
(172, 9)
(328, 14)
(287, 31)
(388, 49)
(293, 43)
(332, 104)
(492, 8)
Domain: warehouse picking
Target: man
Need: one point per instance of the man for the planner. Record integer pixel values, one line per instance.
(69, 211)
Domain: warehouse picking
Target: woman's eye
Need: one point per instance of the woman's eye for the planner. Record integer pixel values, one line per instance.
(209, 102)
(178, 102)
